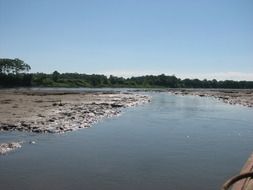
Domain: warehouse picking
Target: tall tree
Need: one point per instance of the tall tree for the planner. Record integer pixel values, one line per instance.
(14, 66)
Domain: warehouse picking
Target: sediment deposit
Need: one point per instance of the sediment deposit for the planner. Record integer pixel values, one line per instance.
(57, 112)
(231, 96)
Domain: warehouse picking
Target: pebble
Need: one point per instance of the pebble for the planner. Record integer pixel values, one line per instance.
(7, 147)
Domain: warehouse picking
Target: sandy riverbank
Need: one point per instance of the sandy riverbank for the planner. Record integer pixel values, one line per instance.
(59, 111)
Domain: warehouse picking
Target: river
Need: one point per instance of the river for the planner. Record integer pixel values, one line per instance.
(174, 143)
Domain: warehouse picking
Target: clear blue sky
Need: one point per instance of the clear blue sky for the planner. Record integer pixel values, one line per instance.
(188, 38)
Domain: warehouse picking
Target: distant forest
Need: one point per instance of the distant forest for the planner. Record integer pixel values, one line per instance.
(14, 73)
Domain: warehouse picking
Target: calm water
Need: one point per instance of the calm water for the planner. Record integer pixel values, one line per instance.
(173, 143)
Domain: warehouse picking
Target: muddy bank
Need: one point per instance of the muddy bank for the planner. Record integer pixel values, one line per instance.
(58, 112)
(231, 96)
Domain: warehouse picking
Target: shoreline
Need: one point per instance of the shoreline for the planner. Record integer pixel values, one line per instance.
(242, 97)
(59, 111)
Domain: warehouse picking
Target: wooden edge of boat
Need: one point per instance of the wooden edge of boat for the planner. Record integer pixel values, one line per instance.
(243, 181)
(247, 183)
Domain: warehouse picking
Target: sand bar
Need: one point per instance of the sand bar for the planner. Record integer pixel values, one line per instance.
(59, 111)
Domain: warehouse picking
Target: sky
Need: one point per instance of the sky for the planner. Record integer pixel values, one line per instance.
(187, 38)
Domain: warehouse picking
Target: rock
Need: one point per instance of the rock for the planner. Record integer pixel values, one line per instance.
(66, 114)
(37, 130)
(25, 124)
(51, 120)
(7, 127)
(116, 105)
(7, 147)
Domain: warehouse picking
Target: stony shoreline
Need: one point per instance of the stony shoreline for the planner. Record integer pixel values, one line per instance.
(242, 97)
(59, 112)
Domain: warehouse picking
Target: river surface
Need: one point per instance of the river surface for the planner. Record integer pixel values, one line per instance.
(172, 143)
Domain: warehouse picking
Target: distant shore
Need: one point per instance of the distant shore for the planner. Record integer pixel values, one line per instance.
(50, 111)
(242, 97)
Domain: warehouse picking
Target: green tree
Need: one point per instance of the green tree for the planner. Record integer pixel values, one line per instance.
(14, 66)
(55, 76)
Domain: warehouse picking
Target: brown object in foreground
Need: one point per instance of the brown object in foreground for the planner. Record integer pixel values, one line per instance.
(243, 181)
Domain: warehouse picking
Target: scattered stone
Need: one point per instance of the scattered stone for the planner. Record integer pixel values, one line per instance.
(7, 127)
(32, 142)
(24, 124)
(7, 101)
(116, 105)
(7, 147)
(51, 120)
(234, 97)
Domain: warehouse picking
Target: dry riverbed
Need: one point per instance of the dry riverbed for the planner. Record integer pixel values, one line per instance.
(58, 111)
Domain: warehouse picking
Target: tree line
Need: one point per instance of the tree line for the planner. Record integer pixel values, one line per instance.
(13, 72)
